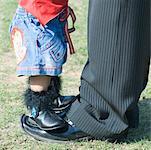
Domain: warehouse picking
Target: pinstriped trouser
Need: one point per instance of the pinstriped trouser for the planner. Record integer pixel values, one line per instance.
(117, 67)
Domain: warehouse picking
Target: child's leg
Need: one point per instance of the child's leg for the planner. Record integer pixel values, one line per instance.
(39, 83)
(49, 89)
(38, 89)
(41, 53)
(42, 95)
(39, 98)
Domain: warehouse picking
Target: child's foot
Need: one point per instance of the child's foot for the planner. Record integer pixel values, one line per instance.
(53, 119)
(48, 120)
(41, 106)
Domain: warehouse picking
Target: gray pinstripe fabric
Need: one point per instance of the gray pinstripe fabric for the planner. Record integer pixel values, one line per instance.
(117, 67)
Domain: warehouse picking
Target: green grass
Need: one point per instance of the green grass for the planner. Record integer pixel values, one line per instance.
(11, 88)
(7, 9)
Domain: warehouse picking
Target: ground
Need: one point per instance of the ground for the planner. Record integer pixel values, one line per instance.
(11, 88)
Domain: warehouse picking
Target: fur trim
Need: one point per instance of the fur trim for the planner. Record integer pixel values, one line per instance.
(43, 100)
(55, 84)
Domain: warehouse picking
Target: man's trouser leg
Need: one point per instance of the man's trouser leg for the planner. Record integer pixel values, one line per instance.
(117, 67)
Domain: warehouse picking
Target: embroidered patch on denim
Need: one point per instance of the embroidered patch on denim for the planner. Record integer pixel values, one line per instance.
(18, 45)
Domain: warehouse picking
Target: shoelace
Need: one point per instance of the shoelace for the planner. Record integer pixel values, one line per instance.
(67, 12)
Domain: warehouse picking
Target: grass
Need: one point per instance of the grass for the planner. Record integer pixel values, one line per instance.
(11, 88)
(7, 9)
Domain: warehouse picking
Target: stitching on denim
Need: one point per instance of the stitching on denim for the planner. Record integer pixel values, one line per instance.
(47, 68)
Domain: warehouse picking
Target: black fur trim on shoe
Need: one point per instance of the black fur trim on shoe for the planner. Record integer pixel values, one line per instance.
(39, 100)
(55, 84)
(43, 100)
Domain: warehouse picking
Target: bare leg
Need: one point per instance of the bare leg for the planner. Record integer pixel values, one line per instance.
(39, 83)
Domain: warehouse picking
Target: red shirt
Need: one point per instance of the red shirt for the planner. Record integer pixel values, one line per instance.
(44, 10)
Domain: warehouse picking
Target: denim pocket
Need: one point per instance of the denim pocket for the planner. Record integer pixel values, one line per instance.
(58, 51)
(49, 44)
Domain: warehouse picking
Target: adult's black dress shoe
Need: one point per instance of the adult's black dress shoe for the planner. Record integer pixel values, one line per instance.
(133, 117)
(67, 133)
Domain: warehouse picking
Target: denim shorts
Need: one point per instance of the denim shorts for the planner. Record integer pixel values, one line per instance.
(40, 50)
